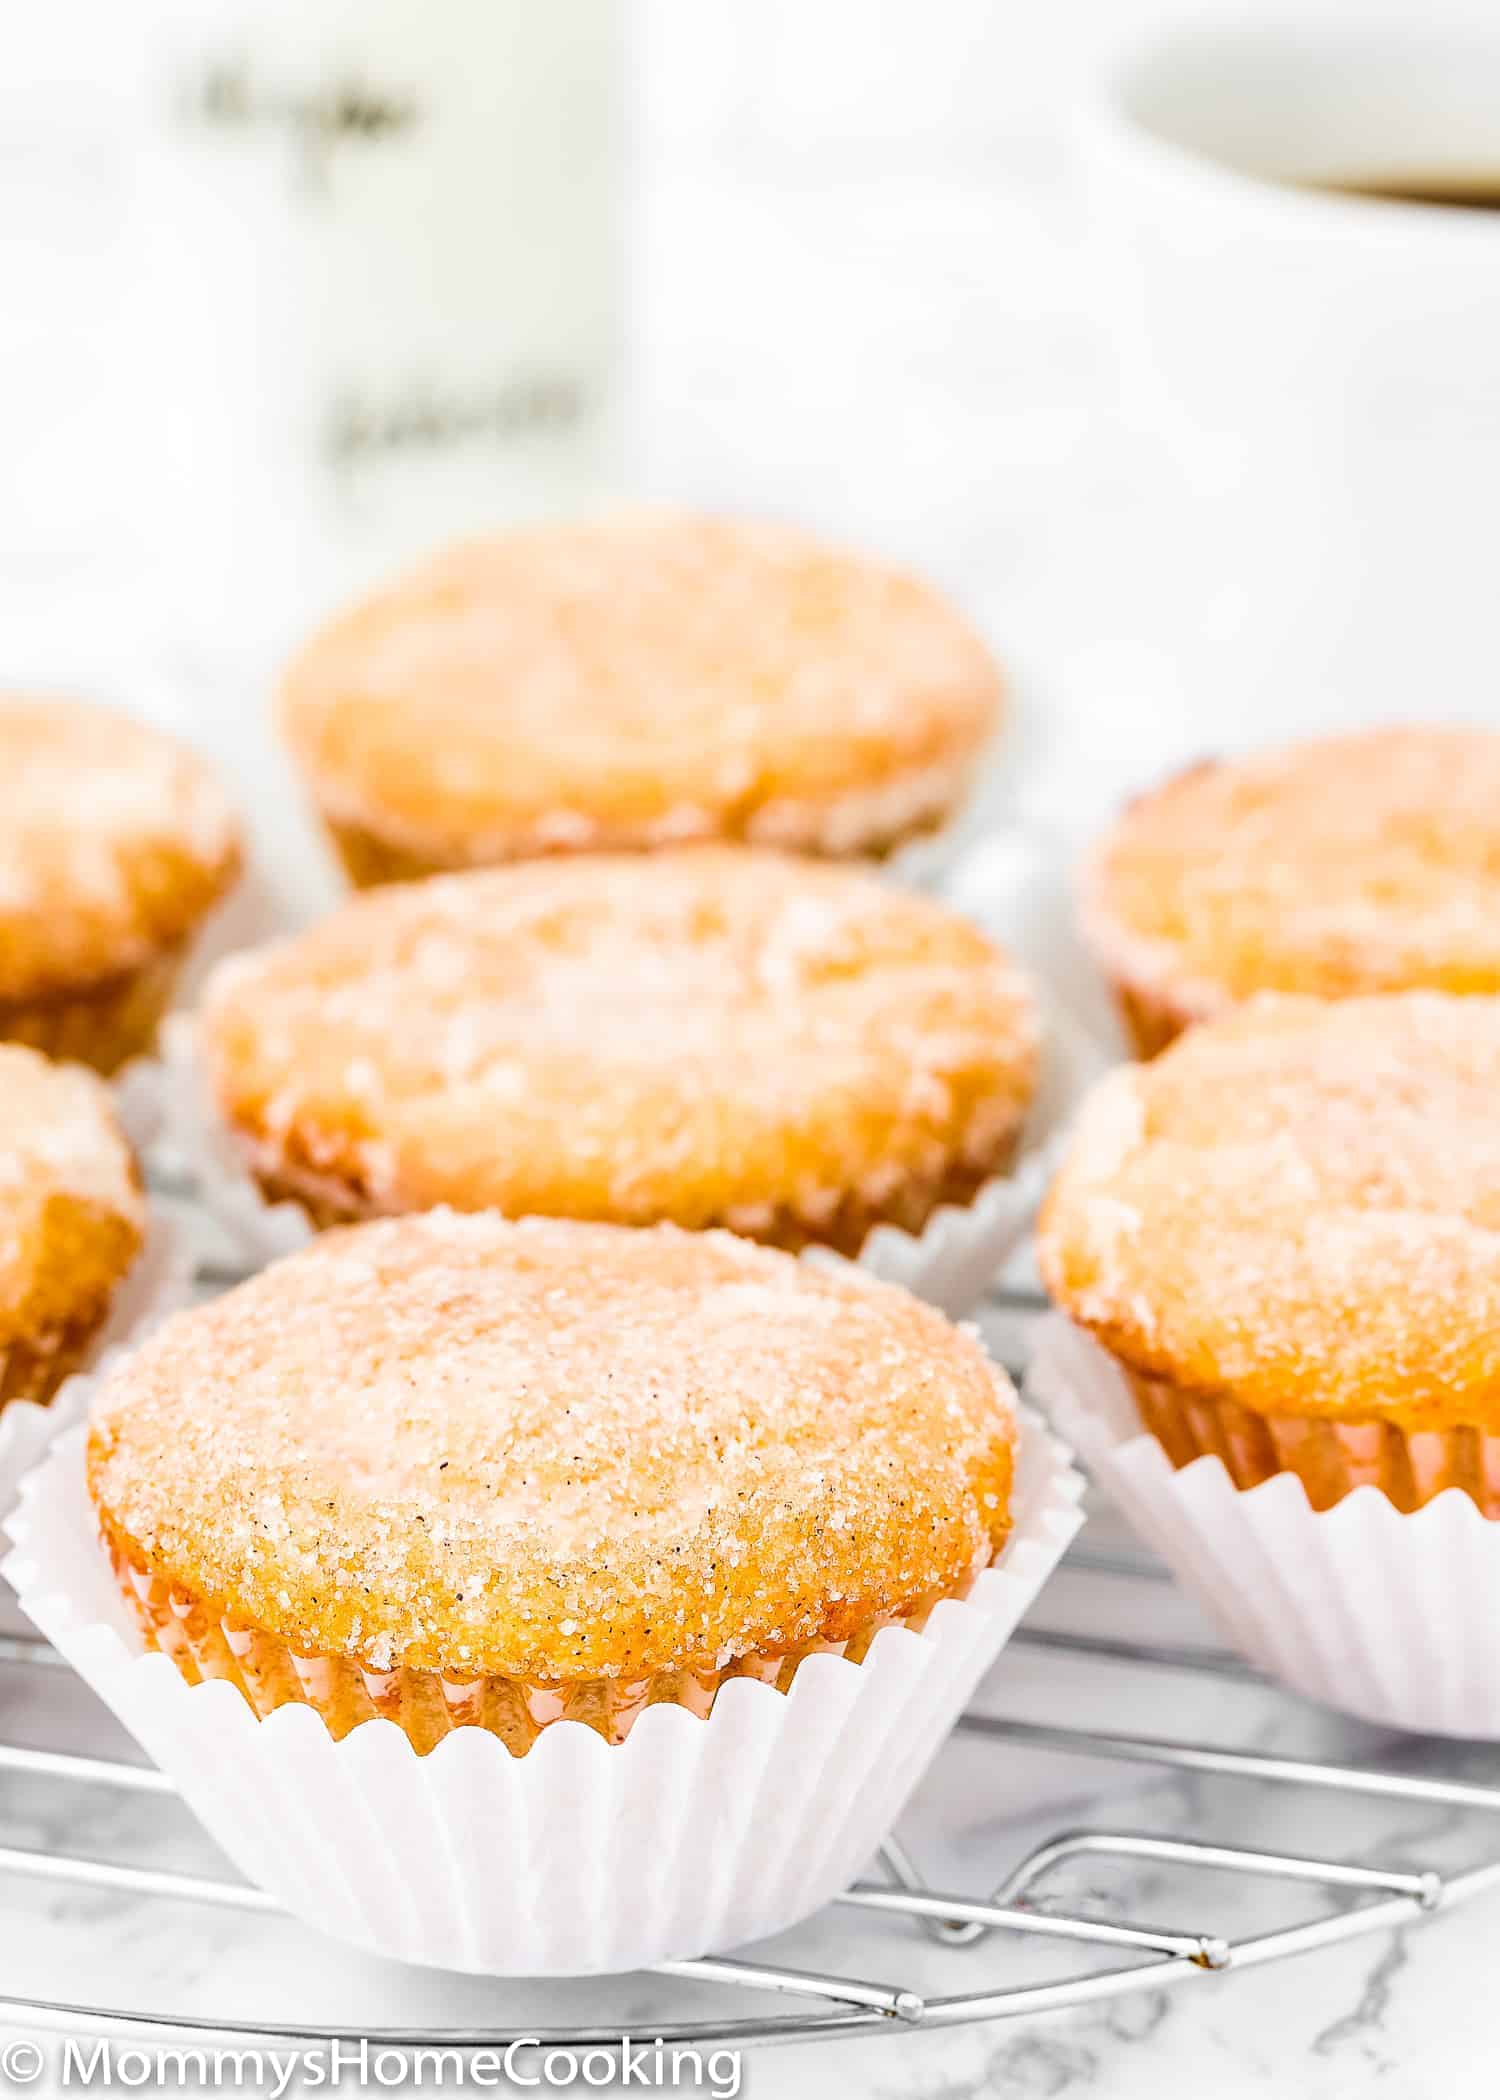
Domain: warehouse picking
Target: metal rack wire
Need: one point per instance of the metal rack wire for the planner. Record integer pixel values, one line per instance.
(1350, 1898)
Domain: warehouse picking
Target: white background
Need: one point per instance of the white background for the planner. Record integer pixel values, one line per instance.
(858, 294)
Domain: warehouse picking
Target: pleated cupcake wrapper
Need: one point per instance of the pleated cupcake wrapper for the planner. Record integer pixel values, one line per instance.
(1331, 1459)
(159, 1283)
(951, 1261)
(426, 1704)
(170, 1096)
(582, 1856)
(1388, 1614)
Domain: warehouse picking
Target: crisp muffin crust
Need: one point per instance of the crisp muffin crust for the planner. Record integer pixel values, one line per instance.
(631, 683)
(72, 1218)
(1296, 1210)
(1355, 864)
(114, 842)
(706, 1036)
(552, 1451)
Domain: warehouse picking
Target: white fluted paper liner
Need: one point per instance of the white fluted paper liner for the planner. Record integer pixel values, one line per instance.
(1391, 1616)
(172, 1093)
(140, 1100)
(249, 915)
(951, 1262)
(961, 1249)
(582, 1856)
(1018, 883)
(159, 1283)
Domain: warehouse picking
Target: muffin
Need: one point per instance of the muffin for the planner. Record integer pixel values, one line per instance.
(1353, 865)
(1286, 1233)
(72, 1220)
(462, 1472)
(636, 683)
(115, 842)
(706, 1036)
(544, 1598)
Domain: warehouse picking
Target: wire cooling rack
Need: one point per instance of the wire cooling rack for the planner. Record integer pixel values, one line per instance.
(897, 1921)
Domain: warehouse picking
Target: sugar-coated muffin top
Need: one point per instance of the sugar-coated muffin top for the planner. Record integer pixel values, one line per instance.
(72, 1217)
(632, 681)
(1363, 863)
(1298, 1206)
(699, 1036)
(115, 840)
(554, 1451)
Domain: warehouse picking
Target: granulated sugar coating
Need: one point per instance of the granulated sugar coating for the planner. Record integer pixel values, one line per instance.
(706, 1036)
(114, 842)
(1365, 863)
(552, 1451)
(72, 1216)
(631, 682)
(1298, 1207)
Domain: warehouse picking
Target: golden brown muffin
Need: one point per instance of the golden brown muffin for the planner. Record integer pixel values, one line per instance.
(714, 1035)
(1287, 1231)
(115, 842)
(460, 1471)
(1366, 863)
(72, 1219)
(634, 683)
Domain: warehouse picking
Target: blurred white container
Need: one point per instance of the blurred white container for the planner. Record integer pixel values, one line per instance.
(377, 286)
(66, 120)
(1318, 376)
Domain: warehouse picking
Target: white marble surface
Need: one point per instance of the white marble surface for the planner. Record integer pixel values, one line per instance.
(862, 298)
